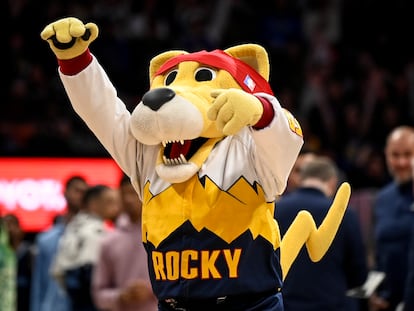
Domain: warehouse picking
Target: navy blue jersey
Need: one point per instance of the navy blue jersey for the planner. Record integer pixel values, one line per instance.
(224, 247)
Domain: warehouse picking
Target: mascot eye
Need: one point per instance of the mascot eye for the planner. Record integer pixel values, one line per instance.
(170, 77)
(204, 74)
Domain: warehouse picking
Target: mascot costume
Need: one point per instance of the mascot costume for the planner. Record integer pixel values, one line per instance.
(208, 149)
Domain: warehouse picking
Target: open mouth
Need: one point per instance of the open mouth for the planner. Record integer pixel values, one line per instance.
(178, 152)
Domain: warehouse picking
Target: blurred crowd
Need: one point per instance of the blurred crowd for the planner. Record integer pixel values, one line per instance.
(344, 68)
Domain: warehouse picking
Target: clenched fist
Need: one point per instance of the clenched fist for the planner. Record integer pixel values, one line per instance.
(234, 109)
(69, 37)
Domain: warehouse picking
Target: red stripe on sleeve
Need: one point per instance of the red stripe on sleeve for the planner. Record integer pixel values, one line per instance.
(71, 67)
(268, 114)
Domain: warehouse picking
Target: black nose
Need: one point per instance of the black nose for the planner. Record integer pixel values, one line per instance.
(155, 98)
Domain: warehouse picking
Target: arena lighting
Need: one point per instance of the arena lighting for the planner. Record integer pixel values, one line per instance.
(32, 188)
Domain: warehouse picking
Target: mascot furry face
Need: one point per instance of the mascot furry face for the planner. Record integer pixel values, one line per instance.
(208, 149)
(177, 112)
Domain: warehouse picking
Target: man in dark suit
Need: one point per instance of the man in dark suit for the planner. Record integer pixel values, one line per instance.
(394, 219)
(408, 302)
(322, 285)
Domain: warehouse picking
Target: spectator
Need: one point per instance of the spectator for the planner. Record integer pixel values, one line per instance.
(322, 285)
(7, 271)
(24, 255)
(408, 303)
(294, 178)
(394, 218)
(120, 278)
(46, 295)
(79, 246)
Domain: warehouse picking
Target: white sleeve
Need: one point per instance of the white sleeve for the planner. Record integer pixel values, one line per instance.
(278, 145)
(95, 100)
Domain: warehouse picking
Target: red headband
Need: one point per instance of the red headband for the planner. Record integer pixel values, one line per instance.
(248, 78)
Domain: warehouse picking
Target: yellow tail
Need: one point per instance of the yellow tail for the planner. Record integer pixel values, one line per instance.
(303, 231)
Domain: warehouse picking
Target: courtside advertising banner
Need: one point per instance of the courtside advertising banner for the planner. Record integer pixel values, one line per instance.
(32, 188)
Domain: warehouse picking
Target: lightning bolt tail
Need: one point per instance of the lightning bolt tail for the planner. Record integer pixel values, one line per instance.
(303, 231)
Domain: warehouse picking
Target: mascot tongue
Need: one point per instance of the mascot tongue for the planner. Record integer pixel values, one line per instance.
(178, 148)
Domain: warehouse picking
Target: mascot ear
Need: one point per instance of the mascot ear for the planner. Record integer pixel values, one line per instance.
(160, 59)
(254, 55)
